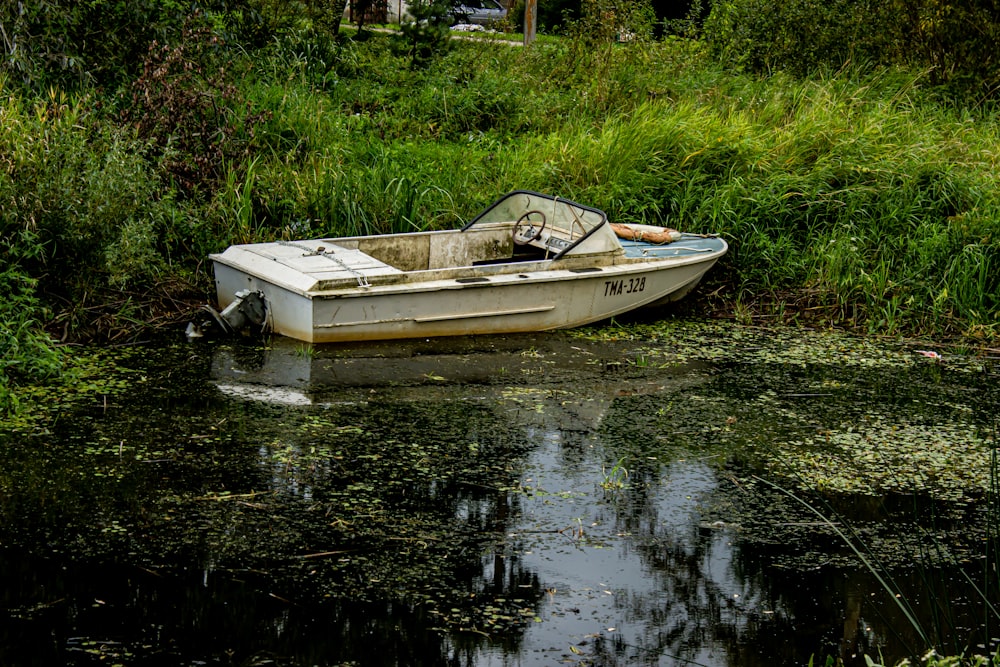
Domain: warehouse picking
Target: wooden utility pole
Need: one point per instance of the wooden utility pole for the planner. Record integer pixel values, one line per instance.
(530, 20)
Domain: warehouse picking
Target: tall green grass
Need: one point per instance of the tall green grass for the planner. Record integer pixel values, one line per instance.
(853, 191)
(27, 354)
(82, 213)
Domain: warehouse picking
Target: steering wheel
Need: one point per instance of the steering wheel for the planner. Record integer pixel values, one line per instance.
(524, 229)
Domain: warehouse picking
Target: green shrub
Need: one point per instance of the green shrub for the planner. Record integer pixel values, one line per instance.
(308, 58)
(953, 40)
(255, 24)
(73, 44)
(189, 110)
(798, 36)
(426, 36)
(81, 214)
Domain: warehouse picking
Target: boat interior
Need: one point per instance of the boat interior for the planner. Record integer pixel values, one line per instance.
(484, 244)
(521, 226)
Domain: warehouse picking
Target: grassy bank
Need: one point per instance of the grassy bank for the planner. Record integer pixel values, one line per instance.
(851, 199)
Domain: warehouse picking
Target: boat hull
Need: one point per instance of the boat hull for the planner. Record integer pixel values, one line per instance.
(528, 262)
(495, 304)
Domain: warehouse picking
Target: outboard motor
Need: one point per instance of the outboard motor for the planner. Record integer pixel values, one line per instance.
(247, 311)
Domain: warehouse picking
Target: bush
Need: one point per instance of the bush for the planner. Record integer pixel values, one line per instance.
(954, 40)
(81, 213)
(72, 44)
(257, 23)
(426, 36)
(27, 354)
(193, 116)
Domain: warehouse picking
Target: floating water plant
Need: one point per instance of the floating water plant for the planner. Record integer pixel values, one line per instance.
(616, 477)
(879, 454)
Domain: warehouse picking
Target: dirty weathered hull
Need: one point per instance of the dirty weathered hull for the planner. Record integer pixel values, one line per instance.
(502, 303)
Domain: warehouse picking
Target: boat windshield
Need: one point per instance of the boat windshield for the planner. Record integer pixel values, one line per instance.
(572, 219)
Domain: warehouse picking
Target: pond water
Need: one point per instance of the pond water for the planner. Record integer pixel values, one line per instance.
(673, 493)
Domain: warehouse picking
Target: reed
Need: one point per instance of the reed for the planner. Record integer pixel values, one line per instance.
(614, 478)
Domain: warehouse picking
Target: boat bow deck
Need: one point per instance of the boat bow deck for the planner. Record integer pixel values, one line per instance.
(307, 265)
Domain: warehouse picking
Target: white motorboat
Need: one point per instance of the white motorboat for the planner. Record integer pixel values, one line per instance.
(529, 262)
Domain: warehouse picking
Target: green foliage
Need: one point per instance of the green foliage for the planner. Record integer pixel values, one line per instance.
(933, 659)
(385, 191)
(256, 23)
(595, 36)
(308, 58)
(82, 218)
(74, 189)
(71, 44)
(426, 36)
(954, 40)
(605, 22)
(799, 36)
(26, 352)
(189, 110)
(615, 478)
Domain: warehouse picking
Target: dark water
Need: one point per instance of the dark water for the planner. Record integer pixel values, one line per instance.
(551, 499)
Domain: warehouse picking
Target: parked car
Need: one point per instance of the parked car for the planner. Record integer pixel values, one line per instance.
(479, 12)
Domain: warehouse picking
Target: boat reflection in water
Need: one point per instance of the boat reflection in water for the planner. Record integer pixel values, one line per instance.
(601, 533)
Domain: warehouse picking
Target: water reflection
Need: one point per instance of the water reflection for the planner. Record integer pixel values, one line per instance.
(463, 502)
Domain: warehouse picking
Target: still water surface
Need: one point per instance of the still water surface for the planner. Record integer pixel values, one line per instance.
(616, 496)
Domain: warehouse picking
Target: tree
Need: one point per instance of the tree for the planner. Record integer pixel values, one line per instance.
(957, 39)
(427, 34)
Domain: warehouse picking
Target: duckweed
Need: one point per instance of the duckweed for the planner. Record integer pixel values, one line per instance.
(412, 494)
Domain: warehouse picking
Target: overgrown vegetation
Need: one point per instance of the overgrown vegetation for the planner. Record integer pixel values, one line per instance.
(952, 40)
(854, 192)
(190, 113)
